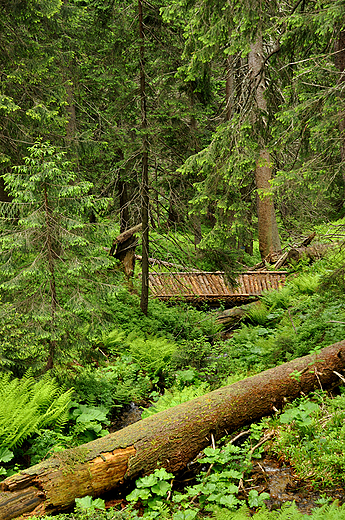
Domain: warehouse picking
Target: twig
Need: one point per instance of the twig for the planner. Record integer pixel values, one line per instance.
(239, 436)
(209, 469)
(339, 375)
(266, 438)
(317, 377)
(211, 465)
(294, 328)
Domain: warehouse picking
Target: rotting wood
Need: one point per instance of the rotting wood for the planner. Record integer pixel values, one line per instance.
(232, 317)
(295, 254)
(312, 253)
(123, 237)
(171, 438)
(123, 249)
(288, 255)
(212, 287)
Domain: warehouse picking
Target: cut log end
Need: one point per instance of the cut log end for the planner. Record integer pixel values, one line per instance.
(62, 484)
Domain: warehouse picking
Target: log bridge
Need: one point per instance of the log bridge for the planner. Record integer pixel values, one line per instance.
(212, 287)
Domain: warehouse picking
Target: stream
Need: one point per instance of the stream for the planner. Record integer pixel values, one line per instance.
(283, 486)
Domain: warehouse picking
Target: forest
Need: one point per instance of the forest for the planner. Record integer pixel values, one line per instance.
(153, 140)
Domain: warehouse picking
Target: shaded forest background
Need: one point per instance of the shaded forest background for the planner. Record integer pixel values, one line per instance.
(217, 125)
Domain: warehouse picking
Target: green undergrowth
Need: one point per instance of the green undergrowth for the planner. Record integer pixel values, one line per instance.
(175, 396)
(28, 406)
(138, 366)
(310, 435)
(289, 511)
(308, 313)
(176, 354)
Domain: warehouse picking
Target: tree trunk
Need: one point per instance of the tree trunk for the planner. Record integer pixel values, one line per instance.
(123, 249)
(71, 127)
(339, 60)
(269, 241)
(232, 317)
(229, 87)
(171, 438)
(122, 187)
(145, 201)
(52, 281)
(4, 196)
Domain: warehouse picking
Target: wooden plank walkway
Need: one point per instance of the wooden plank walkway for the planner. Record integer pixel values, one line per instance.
(211, 287)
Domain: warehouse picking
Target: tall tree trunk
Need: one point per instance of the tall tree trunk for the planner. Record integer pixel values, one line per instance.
(52, 282)
(339, 60)
(229, 87)
(170, 439)
(269, 241)
(71, 127)
(145, 169)
(4, 196)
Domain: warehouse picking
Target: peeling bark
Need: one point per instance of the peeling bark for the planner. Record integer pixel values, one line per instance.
(171, 438)
(123, 248)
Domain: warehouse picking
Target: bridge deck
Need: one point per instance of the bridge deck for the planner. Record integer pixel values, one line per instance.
(197, 287)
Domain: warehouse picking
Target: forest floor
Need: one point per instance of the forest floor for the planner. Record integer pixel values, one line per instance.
(143, 365)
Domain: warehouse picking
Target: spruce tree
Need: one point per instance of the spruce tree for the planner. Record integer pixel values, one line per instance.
(50, 259)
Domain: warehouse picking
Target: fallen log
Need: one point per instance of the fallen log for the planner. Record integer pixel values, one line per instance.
(232, 317)
(126, 235)
(312, 253)
(171, 438)
(294, 253)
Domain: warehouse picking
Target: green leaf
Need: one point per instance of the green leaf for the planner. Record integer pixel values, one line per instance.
(6, 455)
(89, 503)
(161, 488)
(162, 474)
(256, 500)
(138, 494)
(229, 501)
(189, 514)
(146, 482)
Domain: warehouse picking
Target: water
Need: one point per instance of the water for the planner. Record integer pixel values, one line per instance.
(283, 486)
(130, 415)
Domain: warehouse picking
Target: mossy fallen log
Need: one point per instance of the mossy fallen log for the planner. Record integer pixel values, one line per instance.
(232, 317)
(171, 438)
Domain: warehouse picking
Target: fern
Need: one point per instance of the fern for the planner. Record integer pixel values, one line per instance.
(174, 396)
(287, 512)
(152, 354)
(26, 406)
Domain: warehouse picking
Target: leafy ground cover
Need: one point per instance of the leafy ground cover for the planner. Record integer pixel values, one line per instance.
(178, 353)
(288, 512)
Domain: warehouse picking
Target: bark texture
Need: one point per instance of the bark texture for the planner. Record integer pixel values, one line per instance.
(269, 241)
(145, 199)
(123, 248)
(171, 438)
(232, 317)
(339, 60)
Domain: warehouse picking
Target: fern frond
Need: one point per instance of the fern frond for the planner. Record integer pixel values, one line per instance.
(26, 406)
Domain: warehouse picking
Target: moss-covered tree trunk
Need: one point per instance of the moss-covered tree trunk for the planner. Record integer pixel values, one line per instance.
(171, 438)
